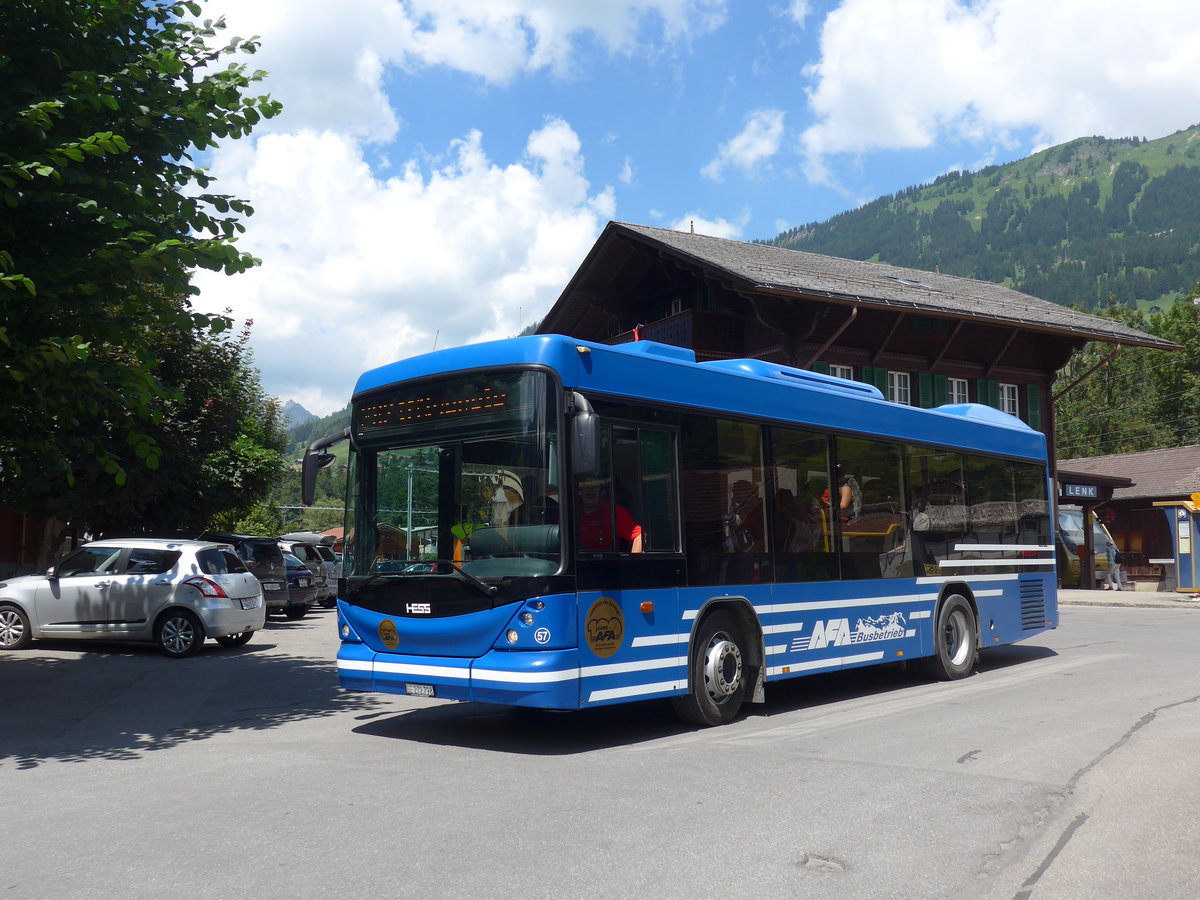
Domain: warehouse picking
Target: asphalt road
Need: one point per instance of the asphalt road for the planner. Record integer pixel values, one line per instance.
(1065, 767)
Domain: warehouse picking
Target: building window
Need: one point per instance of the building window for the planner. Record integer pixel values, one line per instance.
(956, 390)
(898, 387)
(1008, 399)
(846, 372)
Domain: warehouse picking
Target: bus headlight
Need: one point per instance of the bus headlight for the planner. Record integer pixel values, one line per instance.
(512, 635)
(526, 618)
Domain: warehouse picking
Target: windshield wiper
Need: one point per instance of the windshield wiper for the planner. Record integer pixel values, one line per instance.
(488, 590)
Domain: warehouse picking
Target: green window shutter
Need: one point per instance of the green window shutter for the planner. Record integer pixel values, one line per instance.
(822, 367)
(1033, 395)
(877, 377)
(925, 390)
(988, 392)
(941, 390)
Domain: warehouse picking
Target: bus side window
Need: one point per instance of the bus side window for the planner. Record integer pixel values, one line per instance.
(659, 502)
(643, 483)
(801, 530)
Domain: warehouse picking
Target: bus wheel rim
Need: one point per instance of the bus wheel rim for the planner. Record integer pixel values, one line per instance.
(956, 637)
(722, 667)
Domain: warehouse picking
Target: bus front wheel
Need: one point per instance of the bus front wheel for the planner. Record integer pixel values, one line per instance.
(955, 639)
(716, 672)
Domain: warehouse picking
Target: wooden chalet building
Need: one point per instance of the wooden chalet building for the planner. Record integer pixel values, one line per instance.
(922, 338)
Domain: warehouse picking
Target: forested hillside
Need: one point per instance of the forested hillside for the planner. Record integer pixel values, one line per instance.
(305, 433)
(1085, 223)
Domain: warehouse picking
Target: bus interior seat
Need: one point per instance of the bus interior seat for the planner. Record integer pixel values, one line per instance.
(541, 540)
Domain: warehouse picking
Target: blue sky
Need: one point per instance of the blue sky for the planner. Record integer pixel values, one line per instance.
(443, 166)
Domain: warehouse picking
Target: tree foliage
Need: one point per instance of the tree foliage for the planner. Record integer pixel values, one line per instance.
(1141, 399)
(103, 214)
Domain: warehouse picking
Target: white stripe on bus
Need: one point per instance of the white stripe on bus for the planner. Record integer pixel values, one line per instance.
(1012, 548)
(959, 563)
(658, 640)
(831, 663)
(636, 690)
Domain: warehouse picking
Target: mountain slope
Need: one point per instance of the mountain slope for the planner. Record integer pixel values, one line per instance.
(1088, 222)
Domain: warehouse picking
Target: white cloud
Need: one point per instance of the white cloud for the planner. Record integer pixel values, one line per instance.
(359, 271)
(327, 60)
(757, 142)
(799, 11)
(719, 227)
(904, 75)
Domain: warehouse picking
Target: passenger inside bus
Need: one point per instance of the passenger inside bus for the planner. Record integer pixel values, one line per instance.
(596, 516)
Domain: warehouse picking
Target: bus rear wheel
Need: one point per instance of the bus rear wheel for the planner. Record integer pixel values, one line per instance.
(956, 641)
(716, 672)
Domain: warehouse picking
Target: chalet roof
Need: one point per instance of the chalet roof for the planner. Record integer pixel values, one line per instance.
(1156, 474)
(765, 269)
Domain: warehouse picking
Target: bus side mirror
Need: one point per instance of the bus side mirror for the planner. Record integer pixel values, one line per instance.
(315, 459)
(585, 455)
(313, 463)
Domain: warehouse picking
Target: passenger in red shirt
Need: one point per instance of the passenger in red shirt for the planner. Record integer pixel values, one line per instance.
(595, 521)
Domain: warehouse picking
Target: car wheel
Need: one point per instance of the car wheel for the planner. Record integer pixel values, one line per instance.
(14, 628)
(178, 633)
(329, 604)
(234, 640)
(297, 611)
(716, 672)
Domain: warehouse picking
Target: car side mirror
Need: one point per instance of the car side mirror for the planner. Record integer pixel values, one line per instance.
(52, 572)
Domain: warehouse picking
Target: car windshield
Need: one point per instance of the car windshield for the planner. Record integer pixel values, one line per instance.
(1070, 525)
(477, 490)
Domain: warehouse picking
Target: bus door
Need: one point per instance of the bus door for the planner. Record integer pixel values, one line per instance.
(627, 546)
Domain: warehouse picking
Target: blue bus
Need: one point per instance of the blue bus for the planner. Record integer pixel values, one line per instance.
(553, 523)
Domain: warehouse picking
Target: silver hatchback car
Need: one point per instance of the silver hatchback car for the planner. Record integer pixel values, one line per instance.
(174, 593)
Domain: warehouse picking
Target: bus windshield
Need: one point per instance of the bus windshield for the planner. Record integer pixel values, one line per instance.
(458, 476)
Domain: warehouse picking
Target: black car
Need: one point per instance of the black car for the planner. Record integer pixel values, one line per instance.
(264, 558)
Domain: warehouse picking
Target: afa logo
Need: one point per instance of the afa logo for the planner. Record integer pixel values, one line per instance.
(838, 633)
(604, 627)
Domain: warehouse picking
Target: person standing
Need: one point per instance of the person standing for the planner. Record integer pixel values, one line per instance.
(1113, 579)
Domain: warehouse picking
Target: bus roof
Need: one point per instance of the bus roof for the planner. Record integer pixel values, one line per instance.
(664, 373)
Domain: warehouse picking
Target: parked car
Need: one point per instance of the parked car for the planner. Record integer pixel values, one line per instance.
(300, 587)
(172, 592)
(310, 555)
(333, 563)
(264, 558)
(323, 543)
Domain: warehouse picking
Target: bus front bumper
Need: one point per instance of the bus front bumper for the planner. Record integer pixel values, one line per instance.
(547, 679)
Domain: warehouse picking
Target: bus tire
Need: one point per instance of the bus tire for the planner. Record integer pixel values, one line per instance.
(717, 672)
(955, 640)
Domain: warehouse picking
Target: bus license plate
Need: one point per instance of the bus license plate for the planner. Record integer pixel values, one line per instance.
(419, 690)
